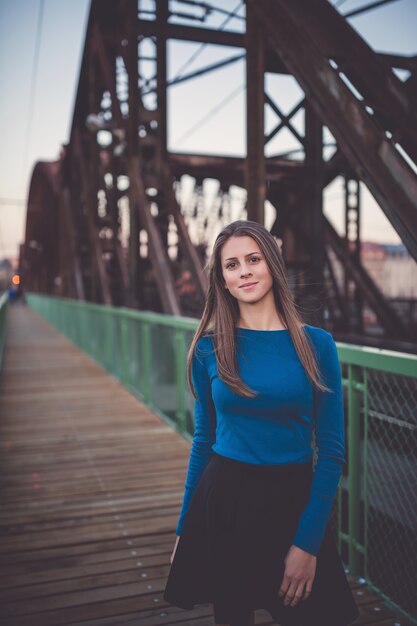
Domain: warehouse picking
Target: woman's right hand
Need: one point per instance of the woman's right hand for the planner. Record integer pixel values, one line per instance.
(175, 548)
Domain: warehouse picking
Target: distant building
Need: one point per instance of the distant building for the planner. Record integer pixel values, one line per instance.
(392, 269)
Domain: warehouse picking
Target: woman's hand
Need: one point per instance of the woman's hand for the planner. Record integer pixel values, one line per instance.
(175, 549)
(300, 569)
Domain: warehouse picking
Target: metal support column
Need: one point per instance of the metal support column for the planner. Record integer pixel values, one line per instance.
(313, 215)
(354, 299)
(132, 150)
(255, 96)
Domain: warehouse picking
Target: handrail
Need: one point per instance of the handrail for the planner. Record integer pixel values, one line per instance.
(147, 352)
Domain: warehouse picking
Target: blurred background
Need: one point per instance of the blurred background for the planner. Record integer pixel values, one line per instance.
(198, 90)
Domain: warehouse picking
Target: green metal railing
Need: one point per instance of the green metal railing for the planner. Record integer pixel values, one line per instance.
(4, 304)
(376, 507)
(377, 500)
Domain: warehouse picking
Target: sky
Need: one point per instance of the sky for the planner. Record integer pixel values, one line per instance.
(39, 84)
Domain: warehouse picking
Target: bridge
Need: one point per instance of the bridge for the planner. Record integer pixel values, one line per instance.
(95, 431)
(96, 417)
(122, 229)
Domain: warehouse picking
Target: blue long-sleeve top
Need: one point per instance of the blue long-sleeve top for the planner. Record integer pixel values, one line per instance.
(277, 425)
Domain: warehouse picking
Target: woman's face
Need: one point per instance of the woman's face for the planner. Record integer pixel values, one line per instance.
(245, 271)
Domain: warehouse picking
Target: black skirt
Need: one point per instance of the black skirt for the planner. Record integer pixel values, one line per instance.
(235, 536)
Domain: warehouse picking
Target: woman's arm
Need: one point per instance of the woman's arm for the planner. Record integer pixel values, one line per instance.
(301, 559)
(329, 428)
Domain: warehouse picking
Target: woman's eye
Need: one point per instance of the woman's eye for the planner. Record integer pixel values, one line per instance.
(229, 265)
(255, 258)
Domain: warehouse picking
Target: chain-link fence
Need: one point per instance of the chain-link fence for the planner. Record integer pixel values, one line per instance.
(391, 491)
(376, 508)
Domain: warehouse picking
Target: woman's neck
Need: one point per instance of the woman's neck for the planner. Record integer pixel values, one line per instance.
(266, 322)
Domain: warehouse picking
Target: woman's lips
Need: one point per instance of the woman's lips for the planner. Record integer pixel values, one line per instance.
(248, 286)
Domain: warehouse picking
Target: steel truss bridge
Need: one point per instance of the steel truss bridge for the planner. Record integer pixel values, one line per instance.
(116, 174)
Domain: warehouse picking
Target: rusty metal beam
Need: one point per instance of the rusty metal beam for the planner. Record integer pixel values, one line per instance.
(229, 169)
(162, 15)
(378, 84)
(386, 314)
(399, 61)
(369, 152)
(200, 278)
(148, 28)
(312, 214)
(157, 252)
(255, 154)
(131, 62)
(285, 120)
(98, 50)
(101, 273)
(73, 262)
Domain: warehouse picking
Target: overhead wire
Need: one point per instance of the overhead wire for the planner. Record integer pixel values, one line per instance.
(33, 84)
(368, 7)
(210, 114)
(364, 8)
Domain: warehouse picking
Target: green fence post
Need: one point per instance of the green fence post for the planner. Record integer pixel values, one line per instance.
(109, 341)
(180, 376)
(354, 468)
(146, 361)
(124, 350)
(365, 469)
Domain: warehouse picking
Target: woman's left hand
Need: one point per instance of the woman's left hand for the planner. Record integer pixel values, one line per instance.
(300, 569)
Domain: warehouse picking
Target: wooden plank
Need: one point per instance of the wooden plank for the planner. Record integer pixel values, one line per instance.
(91, 484)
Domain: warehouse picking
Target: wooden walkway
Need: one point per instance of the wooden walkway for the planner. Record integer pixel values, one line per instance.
(91, 487)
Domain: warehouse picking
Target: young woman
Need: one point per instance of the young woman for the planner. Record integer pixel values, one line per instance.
(253, 530)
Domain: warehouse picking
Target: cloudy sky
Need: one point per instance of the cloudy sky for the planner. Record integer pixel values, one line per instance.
(41, 44)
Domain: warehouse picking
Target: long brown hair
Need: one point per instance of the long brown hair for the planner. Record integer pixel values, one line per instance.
(221, 311)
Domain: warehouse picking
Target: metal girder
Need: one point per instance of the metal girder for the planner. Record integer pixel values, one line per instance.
(162, 15)
(312, 213)
(255, 156)
(40, 252)
(385, 313)
(78, 152)
(192, 33)
(306, 39)
(72, 262)
(380, 87)
(130, 58)
(163, 273)
(230, 170)
(285, 120)
(370, 153)
(194, 264)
